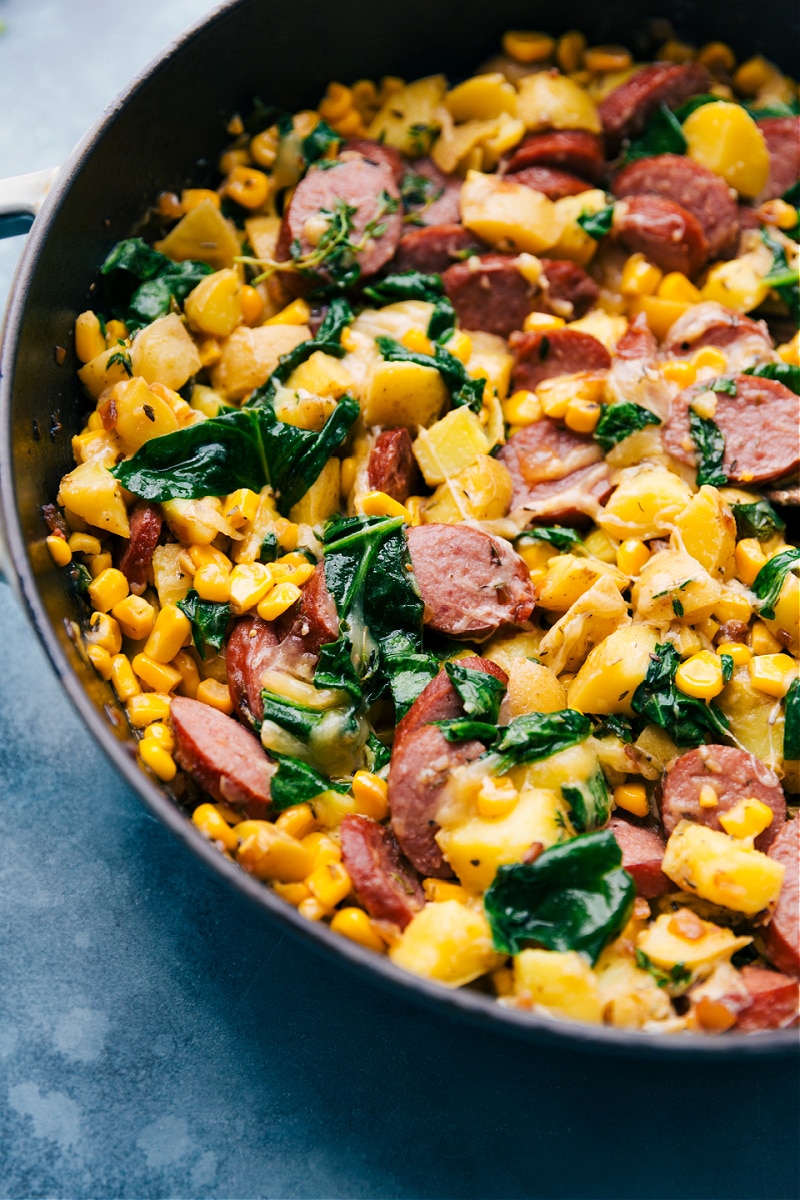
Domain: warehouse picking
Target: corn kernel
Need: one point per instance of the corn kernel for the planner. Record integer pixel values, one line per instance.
(215, 694)
(247, 186)
(631, 556)
(632, 797)
(700, 676)
(337, 102)
(59, 550)
(157, 675)
(639, 276)
(162, 734)
(312, 909)
(522, 408)
(718, 57)
(753, 75)
(104, 631)
(779, 213)
(347, 340)
(353, 923)
(159, 760)
(539, 322)
(750, 558)
(171, 632)
(209, 351)
(708, 797)
(209, 821)
(789, 352)
(107, 589)
(269, 853)
(772, 673)
(212, 582)
(192, 197)
(526, 46)
(748, 818)
(240, 506)
(95, 421)
(251, 304)
(378, 504)
(496, 798)
(440, 890)
(460, 345)
(89, 340)
(347, 477)
(680, 371)
(292, 893)
(569, 50)
(417, 341)
(330, 883)
(100, 660)
(85, 543)
(298, 575)
(415, 505)
(135, 616)
(190, 676)
(740, 653)
(296, 313)
(297, 821)
(98, 563)
(248, 583)
(278, 600)
(600, 59)
(126, 685)
(582, 415)
(711, 358)
(763, 641)
(732, 606)
(371, 795)
(116, 332)
(143, 710)
(264, 147)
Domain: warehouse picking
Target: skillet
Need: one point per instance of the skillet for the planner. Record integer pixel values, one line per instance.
(163, 133)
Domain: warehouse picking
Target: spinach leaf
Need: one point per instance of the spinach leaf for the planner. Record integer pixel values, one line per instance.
(618, 421)
(319, 142)
(575, 896)
(407, 668)
(297, 719)
(335, 668)
(418, 191)
(480, 694)
(597, 224)
(405, 285)
(777, 109)
(443, 320)
(688, 721)
(377, 754)
(663, 135)
(209, 621)
(269, 548)
(464, 390)
(709, 442)
(162, 280)
(791, 729)
(769, 581)
(757, 520)
(618, 726)
(295, 782)
(786, 373)
(534, 736)
(589, 802)
(462, 729)
(782, 277)
(689, 106)
(727, 663)
(722, 384)
(248, 447)
(560, 536)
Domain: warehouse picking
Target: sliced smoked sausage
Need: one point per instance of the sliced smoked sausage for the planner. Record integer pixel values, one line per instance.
(642, 855)
(492, 294)
(539, 356)
(146, 522)
(249, 652)
(392, 467)
(472, 584)
(383, 881)
(317, 622)
(434, 248)
(377, 152)
(772, 1000)
(557, 474)
(782, 935)
(221, 756)
(551, 182)
(746, 342)
(422, 762)
(369, 188)
(626, 110)
(759, 423)
(733, 775)
(666, 233)
(441, 205)
(691, 185)
(573, 150)
(782, 135)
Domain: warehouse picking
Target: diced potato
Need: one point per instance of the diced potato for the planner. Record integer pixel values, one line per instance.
(322, 498)
(482, 492)
(403, 393)
(476, 847)
(203, 235)
(251, 355)
(725, 870)
(613, 671)
(551, 101)
(560, 981)
(787, 615)
(507, 133)
(172, 584)
(101, 446)
(460, 146)
(262, 234)
(726, 139)
(197, 522)
(569, 577)
(673, 586)
(304, 409)
(490, 355)
(571, 241)
(408, 120)
(140, 414)
(756, 719)
(655, 748)
(708, 532)
(630, 997)
(645, 504)
(661, 314)
(481, 98)
(593, 616)
(450, 445)
(665, 944)
(213, 305)
(506, 214)
(165, 353)
(321, 374)
(448, 942)
(100, 373)
(737, 283)
(576, 764)
(205, 400)
(533, 687)
(507, 649)
(93, 493)
(608, 328)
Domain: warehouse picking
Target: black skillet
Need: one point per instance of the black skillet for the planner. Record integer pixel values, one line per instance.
(166, 131)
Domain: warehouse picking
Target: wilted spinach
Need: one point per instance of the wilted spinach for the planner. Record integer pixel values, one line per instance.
(709, 443)
(757, 520)
(161, 280)
(768, 583)
(209, 621)
(688, 721)
(618, 421)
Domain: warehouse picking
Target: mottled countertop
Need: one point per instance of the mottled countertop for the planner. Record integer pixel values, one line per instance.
(158, 1038)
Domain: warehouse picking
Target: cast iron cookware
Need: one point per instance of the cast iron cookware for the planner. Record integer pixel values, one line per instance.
(166, 131)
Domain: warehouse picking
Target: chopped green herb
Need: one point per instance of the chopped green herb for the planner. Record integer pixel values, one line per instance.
(727, 667)
(709, 443)
(616, 725)
(269, 548)
(319, 142)
(123, 358)
(560, 536)
(677, 607)
(597, 224)
(724, 385)
(676, 977)
(418, 191)
(618, 421)
(782, 277)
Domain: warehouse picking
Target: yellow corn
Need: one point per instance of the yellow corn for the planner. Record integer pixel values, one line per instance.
(322, 848)
(353, 923)
(190, 676)
(298, 820)
(312, 909)
(772, 673)
(710, 357)
(378, 504)
(251, 304)
(85, 543)
(168, 205)
(415, 506)
(59, 550)
(264, 147)
(296, 313)
(680, 371)
(732, 606)
(248, 583)
(790, 351)
(708, 797)
(107, 589)
(100, 660)
(460, 344)
(522, 408)
(417, 341)
(599, 59)
(527, 46)
(675, 51)
(240, 506)
(582, 415)
(748, 818)
(632, 798)
(639, 276)
(215, 694)
(298, 574)
(337, 102)
(779, 213)
(162, 734)
(539, 322)
(191, 197)
(135, 616)
(676, 286)
(278, 600)
(104, 631)
(740, 653)
(208, 819)
(171, 632)
(212, 582)
(371, 794)
(348, 475)
(159, 760)
(95, 421)
(439, 890)
(116, 332)
(89, 340)
(718, 57)
(269, 853)
(700, 676)
(503, 981)
(247, 186)
(569, 50)
(496, 798)
(750, 558)
(330, 883)
(209, 351)
(763, 641)
(126, 685)
(143, 710)
(157, 675)
(753, 75)
(631, 556)
(98, 563)
(292, 893)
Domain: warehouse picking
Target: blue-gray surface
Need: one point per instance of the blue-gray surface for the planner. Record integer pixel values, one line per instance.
(159, 1039)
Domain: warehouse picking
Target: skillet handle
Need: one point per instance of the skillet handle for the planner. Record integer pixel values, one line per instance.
(21, 197)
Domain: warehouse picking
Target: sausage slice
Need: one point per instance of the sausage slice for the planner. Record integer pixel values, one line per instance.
(782, 935)
(557, 475)
(221, 756)
(392, 467)
(146, 522)
(746, 342)
(626, 110)
(492, 294)
(384, 882)
(772, 1003)
(551, 182)
(573, 150)
(443, 206)
(249, 652)
(642, 855)
(377, 152)
(434, 248)
(539, 356)
(782, 135)
(664, 232)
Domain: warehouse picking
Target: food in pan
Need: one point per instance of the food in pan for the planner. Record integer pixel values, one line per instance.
(432, 521)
